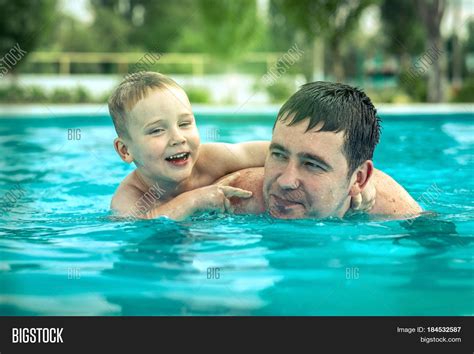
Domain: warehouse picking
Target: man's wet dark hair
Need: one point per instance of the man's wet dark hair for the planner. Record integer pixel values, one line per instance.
(338, 107)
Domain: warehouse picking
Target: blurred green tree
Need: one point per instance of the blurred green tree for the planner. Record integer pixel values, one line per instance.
(225, 29)
(431, 13)
(26, 23)
(159, 25)
(228, 28)
(111, 30)
(403, 29)
(405, 39)
(323, 21)
(465, 93)
(469, 46)
(281, 33)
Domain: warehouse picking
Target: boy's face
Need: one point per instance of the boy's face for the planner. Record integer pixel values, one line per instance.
(164, 140)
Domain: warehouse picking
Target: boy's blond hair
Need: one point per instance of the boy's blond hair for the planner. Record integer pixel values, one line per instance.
(132, 89)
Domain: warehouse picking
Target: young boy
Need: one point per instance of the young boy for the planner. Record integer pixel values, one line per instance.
(175, 174)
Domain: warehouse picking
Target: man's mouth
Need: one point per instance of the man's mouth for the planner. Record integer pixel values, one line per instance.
(178, 159)
(282, 208)
(285, 203)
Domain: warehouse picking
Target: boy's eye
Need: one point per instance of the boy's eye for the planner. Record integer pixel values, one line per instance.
(157, 131)
(184, 124)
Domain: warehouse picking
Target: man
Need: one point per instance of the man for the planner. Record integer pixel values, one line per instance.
(320, 156)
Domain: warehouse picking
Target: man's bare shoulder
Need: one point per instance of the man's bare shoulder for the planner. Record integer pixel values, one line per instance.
(250, 179)
(392, 199)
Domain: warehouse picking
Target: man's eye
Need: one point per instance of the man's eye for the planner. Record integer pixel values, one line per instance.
(312, 165)
(278, 155)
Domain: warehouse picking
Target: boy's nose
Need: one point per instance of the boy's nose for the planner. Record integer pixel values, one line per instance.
(177, 139)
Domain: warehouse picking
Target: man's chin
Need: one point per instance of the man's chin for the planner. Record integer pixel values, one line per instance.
(285, 216)
(285, 213)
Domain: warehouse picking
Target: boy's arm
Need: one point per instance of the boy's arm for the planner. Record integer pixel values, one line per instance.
(234, 157)
(210, 198)
(214, 197)
(178, 208)
(130, 202)
(391, 198)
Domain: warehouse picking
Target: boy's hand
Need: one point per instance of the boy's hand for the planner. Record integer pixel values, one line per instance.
(216, 197)
(364, 202)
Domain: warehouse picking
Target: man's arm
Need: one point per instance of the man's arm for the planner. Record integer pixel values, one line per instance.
(391, 198)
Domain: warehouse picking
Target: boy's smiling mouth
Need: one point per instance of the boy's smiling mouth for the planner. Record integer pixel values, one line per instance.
(179, 159)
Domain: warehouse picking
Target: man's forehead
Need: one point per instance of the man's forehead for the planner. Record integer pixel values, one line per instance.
(314, 140)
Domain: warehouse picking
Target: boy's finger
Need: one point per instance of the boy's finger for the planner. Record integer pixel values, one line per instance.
(235, 192)
(228, 180)
(228, 206)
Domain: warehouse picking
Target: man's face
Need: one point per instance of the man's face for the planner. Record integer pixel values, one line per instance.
(164, 137)
(306, 173)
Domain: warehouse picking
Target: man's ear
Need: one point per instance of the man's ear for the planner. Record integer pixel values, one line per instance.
(122, 150)
(362, 176)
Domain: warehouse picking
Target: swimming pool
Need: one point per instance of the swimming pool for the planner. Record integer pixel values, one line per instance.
(60, 254)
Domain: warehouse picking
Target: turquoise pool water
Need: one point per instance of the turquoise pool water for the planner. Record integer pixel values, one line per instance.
(60, 254)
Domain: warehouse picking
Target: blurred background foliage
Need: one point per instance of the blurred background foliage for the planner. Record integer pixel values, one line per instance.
(331, 33)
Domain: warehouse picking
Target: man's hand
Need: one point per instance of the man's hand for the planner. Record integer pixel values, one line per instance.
(365, 201)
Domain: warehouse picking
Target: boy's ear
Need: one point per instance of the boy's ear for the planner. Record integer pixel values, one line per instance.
(122, 150)
(363, 174)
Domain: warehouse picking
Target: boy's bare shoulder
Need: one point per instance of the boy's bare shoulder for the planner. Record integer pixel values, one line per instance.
(126, 195)
(392, 199)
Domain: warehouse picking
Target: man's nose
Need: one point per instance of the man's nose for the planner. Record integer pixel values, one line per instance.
(289, 177)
